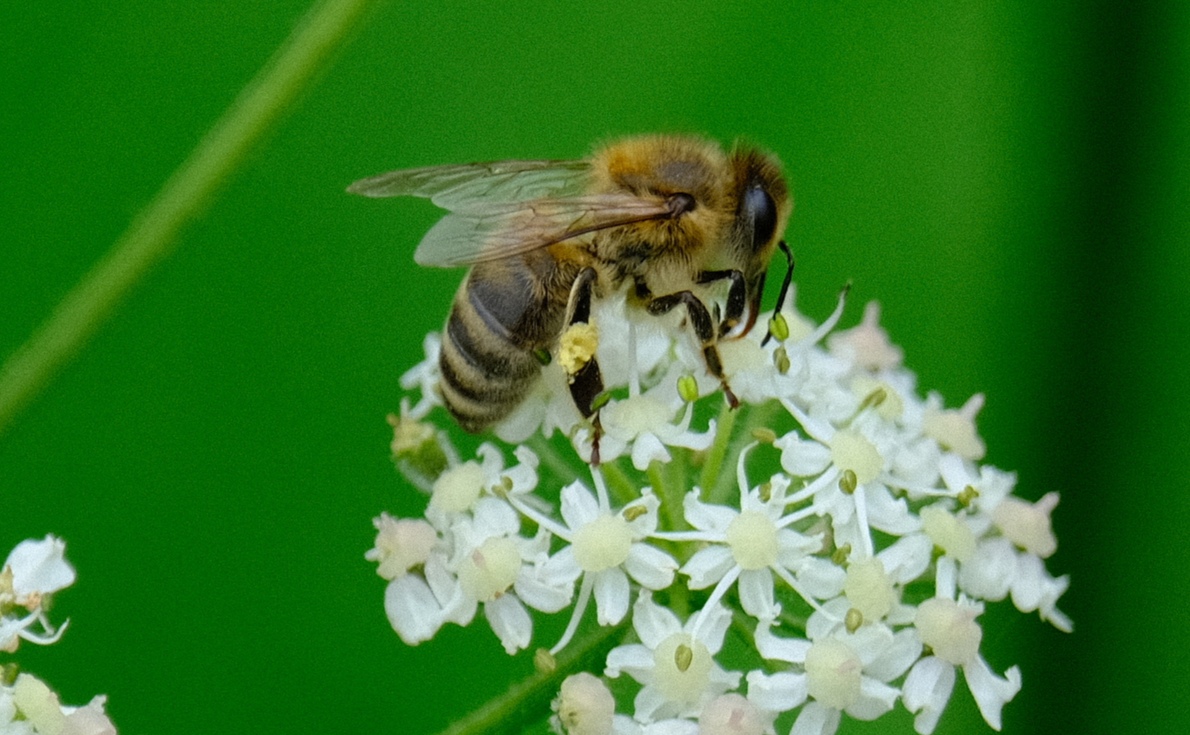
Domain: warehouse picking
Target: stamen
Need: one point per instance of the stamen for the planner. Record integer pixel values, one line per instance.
(764, 435)
(688, 388)
(779, 328)
(633, 512)
(848, 482)
(683, 657)
(841, 554)
(781, 360)
(853, 620)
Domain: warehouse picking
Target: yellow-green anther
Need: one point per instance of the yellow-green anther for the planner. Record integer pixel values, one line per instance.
(853, 619)
(633, 512)
(766, 492)
(848, 482)
(688, 388)
(600, 401)
(544, 661)
(781, 360)
(764, 435)
(873, 399)
(502, 488)
(779, 328)
(968, 496)
(841, 554)
(683, 657)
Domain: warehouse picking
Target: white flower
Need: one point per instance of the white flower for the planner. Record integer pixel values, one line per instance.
(605, 549)
(840, 672)
(846, 480)
(33, 571)
(949, 628)
(867, 344)
(424, 376)
(751, 545)
(643, 426)
(674, 662)
(492, 565)
(879, 493)
(39, 568)
(30, 707)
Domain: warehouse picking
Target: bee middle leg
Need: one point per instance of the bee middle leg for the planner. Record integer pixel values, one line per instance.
(704, 329)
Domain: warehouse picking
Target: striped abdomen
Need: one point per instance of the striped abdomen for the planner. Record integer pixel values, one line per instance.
(504, 313)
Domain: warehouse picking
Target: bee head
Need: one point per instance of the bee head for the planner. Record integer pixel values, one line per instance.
(762, 211)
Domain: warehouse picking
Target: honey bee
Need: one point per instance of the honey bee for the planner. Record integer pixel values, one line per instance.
(663, 216)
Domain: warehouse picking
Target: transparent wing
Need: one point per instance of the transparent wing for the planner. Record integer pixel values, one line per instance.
(499, 230)
(469, 186)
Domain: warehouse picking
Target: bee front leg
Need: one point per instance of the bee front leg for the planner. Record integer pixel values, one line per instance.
(704, 329)
(737, 296)
(577, 356)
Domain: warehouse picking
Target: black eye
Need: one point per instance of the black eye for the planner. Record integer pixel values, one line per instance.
(761, 210)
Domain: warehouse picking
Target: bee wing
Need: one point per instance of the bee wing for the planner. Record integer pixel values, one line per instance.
(466, 186)
(500, 230)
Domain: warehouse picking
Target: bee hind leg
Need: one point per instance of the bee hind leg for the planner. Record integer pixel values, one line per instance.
(704, 329)
(578, 358)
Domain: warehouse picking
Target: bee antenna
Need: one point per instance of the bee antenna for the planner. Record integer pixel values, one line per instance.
(784, 286)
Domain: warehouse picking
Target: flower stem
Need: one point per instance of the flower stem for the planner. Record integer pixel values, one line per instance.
(714, 461)
(527, 702)
(184, 195)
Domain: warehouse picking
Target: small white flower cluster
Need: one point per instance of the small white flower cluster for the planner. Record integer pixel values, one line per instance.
(841, 522)
(32, 573)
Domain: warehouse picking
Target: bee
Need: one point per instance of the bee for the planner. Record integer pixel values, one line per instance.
(665, 217)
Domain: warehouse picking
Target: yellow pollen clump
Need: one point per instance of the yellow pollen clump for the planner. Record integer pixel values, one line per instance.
(577, 347)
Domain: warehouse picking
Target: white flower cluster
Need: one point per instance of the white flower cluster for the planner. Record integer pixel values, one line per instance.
(32, 573)
(837, 525)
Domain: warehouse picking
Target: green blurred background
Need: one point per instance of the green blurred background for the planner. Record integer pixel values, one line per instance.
(1011, 182)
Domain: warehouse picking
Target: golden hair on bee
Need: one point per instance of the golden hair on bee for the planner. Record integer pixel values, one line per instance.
(665, 217)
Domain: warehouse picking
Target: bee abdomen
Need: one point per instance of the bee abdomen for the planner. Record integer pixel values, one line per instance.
(485, 374)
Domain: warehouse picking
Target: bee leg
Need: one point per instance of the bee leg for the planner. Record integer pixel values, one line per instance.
(737, 296)
(784, 287)
(586, 383)
(704, 329)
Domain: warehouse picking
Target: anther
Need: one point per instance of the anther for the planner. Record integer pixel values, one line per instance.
(688, 388)
(633, 512)
(853, 620)
(848, 482)
(683, 657)
(841, 554)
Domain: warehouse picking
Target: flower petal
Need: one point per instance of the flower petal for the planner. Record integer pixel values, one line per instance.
(990, 691)
(708, 566)
(611, 595)
(651, 567)
(510, 622)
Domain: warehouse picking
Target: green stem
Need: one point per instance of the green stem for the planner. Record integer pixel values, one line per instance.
(527, 702)
(551, 459)
(714, 461)
(622, 487)
(184, 195)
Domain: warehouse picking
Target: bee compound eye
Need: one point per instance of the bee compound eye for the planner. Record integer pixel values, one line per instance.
(760, 209)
